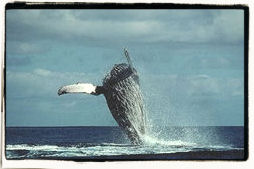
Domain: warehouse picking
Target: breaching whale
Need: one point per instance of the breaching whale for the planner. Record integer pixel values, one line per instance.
(123, 95)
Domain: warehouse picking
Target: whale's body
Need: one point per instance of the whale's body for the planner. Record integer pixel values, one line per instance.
(125, 102)
(124, 98)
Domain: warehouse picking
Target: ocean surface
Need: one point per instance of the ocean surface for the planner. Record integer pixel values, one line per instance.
(110, 143)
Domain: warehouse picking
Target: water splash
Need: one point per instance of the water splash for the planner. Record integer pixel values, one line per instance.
(151, 140)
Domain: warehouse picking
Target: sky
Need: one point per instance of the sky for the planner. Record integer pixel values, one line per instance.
(190, 64)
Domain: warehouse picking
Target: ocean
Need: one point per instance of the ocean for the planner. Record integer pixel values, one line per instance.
(110, 143)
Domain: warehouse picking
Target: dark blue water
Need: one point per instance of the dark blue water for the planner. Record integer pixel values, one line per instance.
(80, 142)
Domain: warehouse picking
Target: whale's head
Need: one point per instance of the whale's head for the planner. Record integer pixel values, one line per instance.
(119, 73)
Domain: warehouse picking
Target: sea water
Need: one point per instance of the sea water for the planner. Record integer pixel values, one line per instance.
(101, 142)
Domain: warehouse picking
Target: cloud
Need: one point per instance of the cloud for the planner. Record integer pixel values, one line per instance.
(24, 48)
(194, 26)
(42, 72)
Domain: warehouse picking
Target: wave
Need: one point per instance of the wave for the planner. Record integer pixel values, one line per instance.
(152, 146)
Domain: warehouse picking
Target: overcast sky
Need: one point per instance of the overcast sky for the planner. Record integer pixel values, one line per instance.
(190, 64)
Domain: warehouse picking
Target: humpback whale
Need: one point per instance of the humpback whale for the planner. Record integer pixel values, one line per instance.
(123, 96)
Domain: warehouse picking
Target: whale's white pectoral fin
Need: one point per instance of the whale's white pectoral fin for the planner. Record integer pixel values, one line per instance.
(77, 88)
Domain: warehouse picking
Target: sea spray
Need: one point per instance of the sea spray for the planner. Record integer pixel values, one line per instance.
(129, 108)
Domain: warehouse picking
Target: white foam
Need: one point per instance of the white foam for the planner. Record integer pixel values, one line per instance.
(152, 146)
(150, 140)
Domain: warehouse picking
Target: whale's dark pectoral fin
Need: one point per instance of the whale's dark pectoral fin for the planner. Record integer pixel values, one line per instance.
(61, 92)
(78, 88)
(98, 90)
(126, 53)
